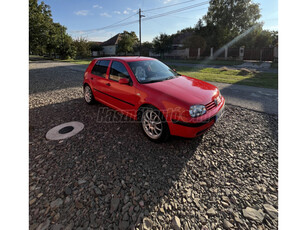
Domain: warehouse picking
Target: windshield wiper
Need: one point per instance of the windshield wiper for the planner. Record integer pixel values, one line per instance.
(152, 81)
(158, 80)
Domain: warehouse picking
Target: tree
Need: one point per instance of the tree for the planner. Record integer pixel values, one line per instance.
(40, 22)
(82, 47)
(55, 39)
(259, 38)
(127, 42)
(195, 41)
(199, 25)
(67, 49)
(45, 36)
(226, 19)
(162, 44)
(94, 46)
(146, 47)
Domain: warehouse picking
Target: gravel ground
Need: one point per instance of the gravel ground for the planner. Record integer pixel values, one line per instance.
(110, 176)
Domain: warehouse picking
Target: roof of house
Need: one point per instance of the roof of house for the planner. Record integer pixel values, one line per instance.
(112, 41)
(98, 43)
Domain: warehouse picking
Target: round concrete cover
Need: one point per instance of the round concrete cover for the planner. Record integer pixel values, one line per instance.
(54, 133)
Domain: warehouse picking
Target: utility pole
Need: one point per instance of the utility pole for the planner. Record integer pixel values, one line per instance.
(140, 33)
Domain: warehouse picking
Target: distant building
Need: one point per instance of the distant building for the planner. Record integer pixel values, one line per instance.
(110, 46)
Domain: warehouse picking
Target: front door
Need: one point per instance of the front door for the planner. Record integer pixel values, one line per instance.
(121, 96)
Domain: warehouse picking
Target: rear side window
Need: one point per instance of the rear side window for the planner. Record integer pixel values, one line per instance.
(118, 71)
(100, 68)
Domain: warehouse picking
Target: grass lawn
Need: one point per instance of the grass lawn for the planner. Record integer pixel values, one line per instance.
(265, 80)
(77, 61)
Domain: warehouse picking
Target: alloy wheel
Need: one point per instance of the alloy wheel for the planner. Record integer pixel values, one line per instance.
(88, 94)
(152, 124)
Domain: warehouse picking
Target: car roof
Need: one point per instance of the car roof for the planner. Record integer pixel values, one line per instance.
(127, 58)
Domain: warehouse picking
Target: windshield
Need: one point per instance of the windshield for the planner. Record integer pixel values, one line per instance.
(150, 71)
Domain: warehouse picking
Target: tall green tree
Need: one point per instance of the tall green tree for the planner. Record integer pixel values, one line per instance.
(40, 22)
(67, 49)
(259, 38)
(226, 19)
(195, 41)
(55, 39)
(162, 44)
(45, 36)
(82, 47)
(127, 42)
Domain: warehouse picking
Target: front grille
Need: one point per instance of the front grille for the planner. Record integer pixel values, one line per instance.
(210, 105)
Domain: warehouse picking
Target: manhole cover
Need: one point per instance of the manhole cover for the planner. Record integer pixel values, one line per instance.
(64, 131)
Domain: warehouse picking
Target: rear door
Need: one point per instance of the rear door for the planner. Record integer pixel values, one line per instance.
(121, 95)
(99, 79)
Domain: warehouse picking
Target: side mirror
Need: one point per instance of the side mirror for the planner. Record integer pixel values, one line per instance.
(123, 81)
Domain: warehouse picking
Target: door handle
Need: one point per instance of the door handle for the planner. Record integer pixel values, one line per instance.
(92, 78)
(108, 84)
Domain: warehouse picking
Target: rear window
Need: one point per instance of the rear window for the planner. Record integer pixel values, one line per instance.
(100, 68)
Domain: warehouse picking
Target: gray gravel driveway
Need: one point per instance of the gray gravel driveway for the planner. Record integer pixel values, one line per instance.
(109, 176)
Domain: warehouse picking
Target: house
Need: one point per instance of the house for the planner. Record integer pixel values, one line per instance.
(110, 46)
(96, 48)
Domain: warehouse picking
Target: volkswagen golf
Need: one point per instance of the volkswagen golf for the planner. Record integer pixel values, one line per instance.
(145, 89)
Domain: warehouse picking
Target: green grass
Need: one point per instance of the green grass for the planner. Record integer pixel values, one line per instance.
(265, 80)
(208, 62)
(77, 61)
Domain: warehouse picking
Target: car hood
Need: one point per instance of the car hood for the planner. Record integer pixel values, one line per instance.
(189, 90)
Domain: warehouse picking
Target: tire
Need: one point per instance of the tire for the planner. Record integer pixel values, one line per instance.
(88, 95)
(154, 125)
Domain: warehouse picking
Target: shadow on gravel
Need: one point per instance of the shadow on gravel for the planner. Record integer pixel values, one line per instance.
(54, 78)
(105, 172)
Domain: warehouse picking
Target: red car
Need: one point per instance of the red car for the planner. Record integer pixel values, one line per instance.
(147, 90)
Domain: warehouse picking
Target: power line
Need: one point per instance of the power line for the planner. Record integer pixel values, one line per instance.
(184, 12)
(177, 10)
(118, 24)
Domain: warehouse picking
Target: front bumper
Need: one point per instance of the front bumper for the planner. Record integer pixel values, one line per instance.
(194, 129)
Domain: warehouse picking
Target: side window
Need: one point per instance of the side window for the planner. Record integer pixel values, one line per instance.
(100, 68)
(118, 71)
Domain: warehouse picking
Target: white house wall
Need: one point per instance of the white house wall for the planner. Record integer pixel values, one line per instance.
(109, 50)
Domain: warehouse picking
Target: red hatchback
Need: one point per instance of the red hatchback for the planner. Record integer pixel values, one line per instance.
(147, 90)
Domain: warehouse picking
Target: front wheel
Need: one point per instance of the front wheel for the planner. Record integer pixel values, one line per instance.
(154, 125)
(88, 95)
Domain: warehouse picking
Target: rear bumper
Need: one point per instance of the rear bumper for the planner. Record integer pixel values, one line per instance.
(194, 129)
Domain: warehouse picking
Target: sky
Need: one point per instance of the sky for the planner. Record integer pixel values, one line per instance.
(83, 17)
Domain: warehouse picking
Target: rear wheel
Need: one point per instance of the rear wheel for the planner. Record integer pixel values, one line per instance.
(88, 95)
(154, 124)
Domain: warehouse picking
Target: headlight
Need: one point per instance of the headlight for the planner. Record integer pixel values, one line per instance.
(197, 110)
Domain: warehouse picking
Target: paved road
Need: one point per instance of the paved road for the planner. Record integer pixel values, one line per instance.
(255, 98)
